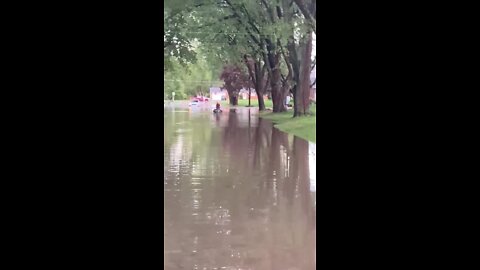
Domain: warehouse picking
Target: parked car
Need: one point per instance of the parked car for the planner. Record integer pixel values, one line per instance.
(194, 102)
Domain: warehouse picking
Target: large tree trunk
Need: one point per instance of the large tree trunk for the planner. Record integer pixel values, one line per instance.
(257, 75)
(272, 58)
(302, 91)
(261, 102)
(295, 64)
(233, 97)
(287, 81)
(261, 83)
(278, 98)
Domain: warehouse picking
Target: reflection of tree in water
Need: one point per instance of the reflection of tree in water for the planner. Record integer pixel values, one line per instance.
(289, 170)
(301, 174)
(231, 131)
(237, 142)
(284, 194)
(217, 119)
(262, 142)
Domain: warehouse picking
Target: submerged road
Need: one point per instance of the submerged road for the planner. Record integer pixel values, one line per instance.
(239, 194)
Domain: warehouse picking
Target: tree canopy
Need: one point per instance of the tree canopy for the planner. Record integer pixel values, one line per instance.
(270, 39)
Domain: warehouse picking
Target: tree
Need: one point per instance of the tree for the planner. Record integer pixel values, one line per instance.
(190, 79)
(296, 49)
(257, 34)
(302, 91)
(241, 25)
(309, 11)
(257, 71)
(235, 79)
(176, 44)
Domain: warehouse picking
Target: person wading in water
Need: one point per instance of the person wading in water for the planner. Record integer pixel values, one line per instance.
(217, 108)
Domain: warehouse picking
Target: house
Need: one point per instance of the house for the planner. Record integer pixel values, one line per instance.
(244, 93)
(253, 96)
(313, 89)
(217, 94)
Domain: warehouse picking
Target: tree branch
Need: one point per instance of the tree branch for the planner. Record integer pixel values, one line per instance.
(239, 19)
(311, 17)
(268, 10)
(250, 71)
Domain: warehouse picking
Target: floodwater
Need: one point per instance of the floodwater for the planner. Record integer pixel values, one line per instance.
(239, 194)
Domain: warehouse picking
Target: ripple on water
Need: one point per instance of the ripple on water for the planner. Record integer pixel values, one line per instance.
(237, 195)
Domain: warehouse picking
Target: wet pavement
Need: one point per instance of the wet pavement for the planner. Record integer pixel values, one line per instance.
(239, 194)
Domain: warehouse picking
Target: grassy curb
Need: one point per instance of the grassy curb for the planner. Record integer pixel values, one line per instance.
(244, 103)
(303, 127)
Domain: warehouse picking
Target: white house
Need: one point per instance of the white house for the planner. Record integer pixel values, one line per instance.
(217, 94)
(313, 89)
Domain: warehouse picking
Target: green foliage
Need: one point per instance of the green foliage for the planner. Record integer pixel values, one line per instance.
(190, 79)
(177, 44)
(216, 33)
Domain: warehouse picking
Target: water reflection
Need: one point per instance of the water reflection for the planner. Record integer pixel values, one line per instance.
(238, 193)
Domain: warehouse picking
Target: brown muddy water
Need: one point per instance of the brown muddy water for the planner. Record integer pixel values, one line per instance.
(239, 194)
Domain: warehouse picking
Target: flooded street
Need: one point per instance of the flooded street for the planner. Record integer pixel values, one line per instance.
(239, 194)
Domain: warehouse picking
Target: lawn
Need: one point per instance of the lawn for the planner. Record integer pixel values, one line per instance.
(241, 102)
(253, 103)
(303, 127)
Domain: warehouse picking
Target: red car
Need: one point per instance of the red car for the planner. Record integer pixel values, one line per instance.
(200, 99)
